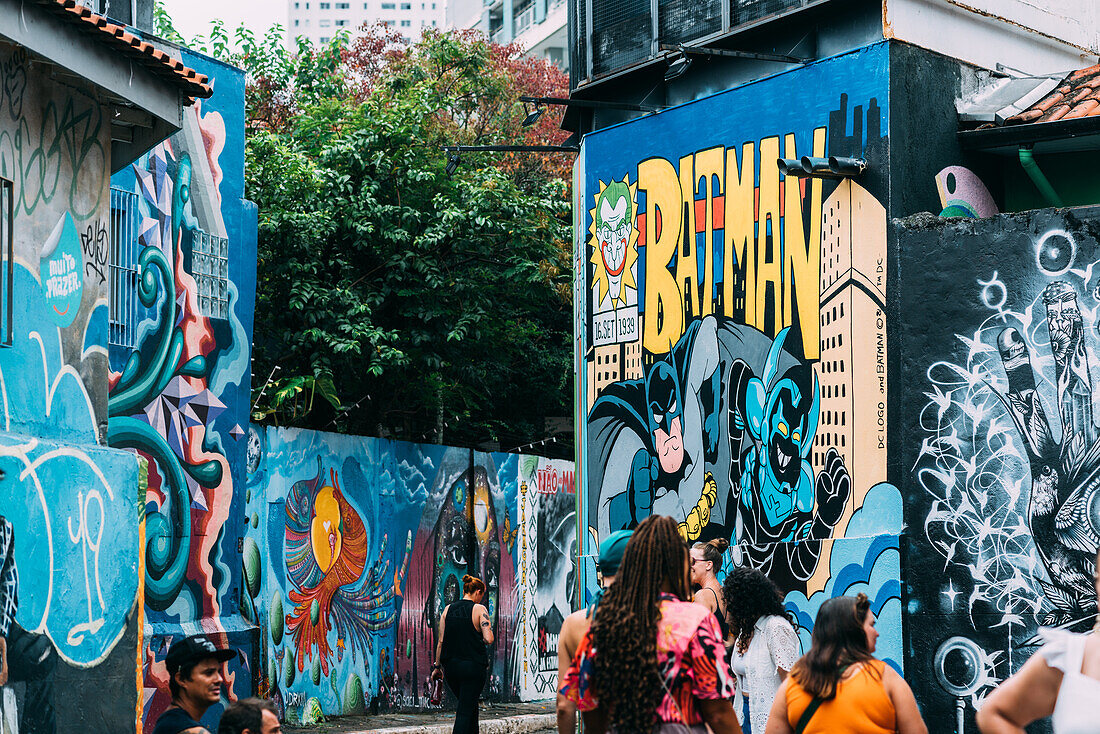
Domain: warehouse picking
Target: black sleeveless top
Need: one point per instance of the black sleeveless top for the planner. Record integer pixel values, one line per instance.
(461, 640)
(723, 625)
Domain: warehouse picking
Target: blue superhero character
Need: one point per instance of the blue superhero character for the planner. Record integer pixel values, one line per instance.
(771, 432)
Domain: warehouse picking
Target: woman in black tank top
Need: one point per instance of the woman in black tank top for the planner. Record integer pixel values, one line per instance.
(706, 559)
(461, 652)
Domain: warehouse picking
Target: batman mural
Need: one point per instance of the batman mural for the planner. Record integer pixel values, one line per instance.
(718, 434)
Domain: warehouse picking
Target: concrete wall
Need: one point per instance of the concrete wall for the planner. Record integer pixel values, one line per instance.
(69, 515)
(999, 428)
(1033, 36)
(352, 625)
(732, 333)
(180, 394)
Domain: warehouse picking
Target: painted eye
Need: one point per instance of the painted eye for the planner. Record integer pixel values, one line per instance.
(656, 419)
(782, 428)
(672, 408)
(796, 436)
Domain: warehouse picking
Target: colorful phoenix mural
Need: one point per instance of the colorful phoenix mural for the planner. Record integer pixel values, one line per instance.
(326, 553)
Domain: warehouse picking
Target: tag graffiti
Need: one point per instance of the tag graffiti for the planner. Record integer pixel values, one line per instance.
(551, 482)
(63, 278)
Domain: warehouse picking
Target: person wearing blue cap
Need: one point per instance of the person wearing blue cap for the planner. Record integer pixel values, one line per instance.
(576, 624)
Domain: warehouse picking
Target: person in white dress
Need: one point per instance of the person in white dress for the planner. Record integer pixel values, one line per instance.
(765, 645)
(1061, 680)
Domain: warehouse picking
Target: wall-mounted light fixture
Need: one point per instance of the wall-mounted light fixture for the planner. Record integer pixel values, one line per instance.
(454, 152)
(791, 167)
(588, 103)
(831, 167)
(453, 159)
(678, 64)
(682, 51)
(533, 115)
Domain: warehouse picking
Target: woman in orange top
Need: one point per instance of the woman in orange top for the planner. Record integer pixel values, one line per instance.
(854, 693)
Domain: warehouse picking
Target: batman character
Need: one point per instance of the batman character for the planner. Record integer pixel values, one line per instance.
(656, 438)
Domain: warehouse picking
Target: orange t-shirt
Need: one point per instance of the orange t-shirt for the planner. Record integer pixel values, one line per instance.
(861, 705)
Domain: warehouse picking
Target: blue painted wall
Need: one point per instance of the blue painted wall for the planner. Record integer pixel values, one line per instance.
(180, 395)
(355, 545)
(69, 506)
(717, 289)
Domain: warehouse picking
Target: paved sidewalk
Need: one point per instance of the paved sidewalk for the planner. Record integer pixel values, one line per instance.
(499, 718)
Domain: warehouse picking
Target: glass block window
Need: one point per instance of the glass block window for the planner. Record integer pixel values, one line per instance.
(210, 268)
(122, 276)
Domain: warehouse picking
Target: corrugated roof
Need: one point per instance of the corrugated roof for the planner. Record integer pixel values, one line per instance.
(192, 83)
(1078, 95)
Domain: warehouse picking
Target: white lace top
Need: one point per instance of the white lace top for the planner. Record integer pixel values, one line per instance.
(1074, 712)
(774, 645)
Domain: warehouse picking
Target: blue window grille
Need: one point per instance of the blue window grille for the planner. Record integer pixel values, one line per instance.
(7, 252)
(122, 280)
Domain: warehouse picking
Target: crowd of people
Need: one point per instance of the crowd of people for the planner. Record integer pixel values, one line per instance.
(665, 647)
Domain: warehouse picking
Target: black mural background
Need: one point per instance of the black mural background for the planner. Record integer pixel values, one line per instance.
(986, 483)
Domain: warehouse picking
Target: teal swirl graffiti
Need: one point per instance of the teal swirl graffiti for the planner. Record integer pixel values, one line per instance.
(168, 530)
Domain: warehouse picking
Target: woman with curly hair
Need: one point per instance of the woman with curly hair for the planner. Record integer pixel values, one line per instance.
(838, 686)
(765, 645)
(652, 660)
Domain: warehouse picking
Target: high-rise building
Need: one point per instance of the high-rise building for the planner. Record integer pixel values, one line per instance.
(321, 20)
(539, 26)
(851, 371)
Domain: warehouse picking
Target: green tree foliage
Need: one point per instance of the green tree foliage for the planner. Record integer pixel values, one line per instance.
(418, 305)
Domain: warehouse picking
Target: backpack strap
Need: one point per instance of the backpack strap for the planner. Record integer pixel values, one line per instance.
(808, 714)
(815, 704)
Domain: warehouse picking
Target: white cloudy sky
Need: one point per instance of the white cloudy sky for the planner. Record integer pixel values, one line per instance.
(192, 17)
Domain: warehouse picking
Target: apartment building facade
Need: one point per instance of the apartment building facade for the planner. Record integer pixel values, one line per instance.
(539, 26)
(321, 20)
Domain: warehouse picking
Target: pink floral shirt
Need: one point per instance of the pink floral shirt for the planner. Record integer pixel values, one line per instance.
(691, 658)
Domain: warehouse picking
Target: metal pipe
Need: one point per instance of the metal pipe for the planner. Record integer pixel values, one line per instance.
(1031, 168)
(512, 148)
(700, 51)
(592, 103)
(817, 167)
(842, 166)
(790, 167)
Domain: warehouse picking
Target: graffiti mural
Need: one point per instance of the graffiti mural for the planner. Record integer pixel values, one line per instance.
(734, 338)
(547, 580)
(68, 526)
(179, 390)
(356, 545)
(1006, 499)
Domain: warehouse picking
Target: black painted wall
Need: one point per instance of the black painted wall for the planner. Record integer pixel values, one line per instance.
(997, 426)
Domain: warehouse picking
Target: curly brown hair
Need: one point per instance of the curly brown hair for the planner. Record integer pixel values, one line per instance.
(624, 630)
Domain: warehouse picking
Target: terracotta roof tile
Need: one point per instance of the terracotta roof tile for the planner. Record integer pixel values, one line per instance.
(1077, 96)
(192, 83)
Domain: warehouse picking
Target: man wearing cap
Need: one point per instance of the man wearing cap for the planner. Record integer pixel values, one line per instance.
(195, 681)
(576, 624)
